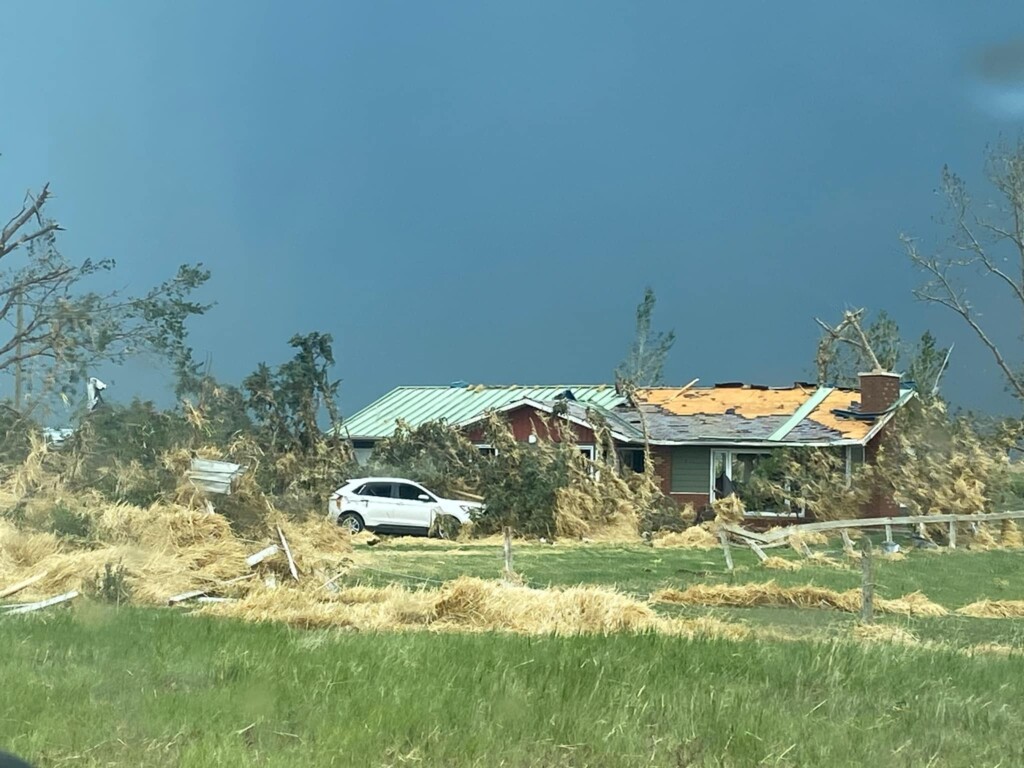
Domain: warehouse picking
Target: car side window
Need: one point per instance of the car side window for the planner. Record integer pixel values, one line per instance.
(376, 489)
(409, 492)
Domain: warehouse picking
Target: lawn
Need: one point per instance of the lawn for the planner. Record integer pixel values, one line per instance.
(97, 686)
(92, 685)
(949, 578)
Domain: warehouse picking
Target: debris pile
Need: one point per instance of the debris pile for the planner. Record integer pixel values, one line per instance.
(994, 609)
(771, 594)
(469, 604)
(163, 550)
(694, 537)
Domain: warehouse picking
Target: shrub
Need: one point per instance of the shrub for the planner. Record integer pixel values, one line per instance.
(112, 585)
(70, 524)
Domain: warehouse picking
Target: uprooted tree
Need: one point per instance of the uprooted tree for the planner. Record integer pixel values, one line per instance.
(58, 328)
(985, 246)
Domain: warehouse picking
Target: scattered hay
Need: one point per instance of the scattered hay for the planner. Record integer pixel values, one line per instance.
(695, 537)
(799, 541)
(580, 513)
(780, 564)
(894, 556)
(771, 594)
(991, 649)
(982, 539)
(729, 509)
(469, 604)
(1010, 535)
(994, 609)
(820, 558)
(164, 549)
(884, 633)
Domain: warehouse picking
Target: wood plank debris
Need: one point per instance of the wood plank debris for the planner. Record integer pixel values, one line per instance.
(15, 588)
(288, 554)
(174, 600)
(255, 559)
(10, 610)
(205, 599)
(758, 551)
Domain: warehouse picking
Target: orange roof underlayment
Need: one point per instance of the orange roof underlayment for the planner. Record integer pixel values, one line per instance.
(752, 403)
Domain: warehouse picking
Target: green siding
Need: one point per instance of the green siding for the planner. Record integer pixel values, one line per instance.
(691, 469)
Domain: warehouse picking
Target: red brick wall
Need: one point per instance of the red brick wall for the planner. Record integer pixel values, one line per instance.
(663, 469)
(881, 503)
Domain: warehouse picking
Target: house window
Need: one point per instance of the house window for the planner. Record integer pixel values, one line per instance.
(632, 458)
(588, 451)
(731, 471)
(487, 450)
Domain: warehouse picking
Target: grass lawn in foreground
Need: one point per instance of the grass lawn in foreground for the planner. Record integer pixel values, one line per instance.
(94, 686)
(952, 579)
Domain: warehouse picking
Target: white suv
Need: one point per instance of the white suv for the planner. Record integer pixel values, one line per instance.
(391, 504)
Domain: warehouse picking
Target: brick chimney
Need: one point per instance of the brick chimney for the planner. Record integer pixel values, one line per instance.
(878, 391)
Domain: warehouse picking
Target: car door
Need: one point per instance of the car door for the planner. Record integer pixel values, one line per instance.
(376, 503)
(411, 510)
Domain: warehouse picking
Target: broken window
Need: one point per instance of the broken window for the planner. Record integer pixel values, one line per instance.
(632, 458)
(732, 470)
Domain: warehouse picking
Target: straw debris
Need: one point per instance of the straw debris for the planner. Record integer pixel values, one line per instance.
(729, 509)
(1010, 535)
(694, 537)
(780, 564)
(994, 609)
(470, 605)
(884, 633)
(771, 594)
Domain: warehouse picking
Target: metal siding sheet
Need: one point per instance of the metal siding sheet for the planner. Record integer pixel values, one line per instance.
(691, 470)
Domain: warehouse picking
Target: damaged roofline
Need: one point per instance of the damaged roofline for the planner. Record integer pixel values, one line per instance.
(540, 406)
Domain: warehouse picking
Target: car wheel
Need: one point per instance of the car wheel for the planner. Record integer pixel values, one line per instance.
(445, 527)
(351, 521)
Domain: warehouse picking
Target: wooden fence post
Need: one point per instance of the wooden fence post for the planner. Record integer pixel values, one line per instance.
(952, 534)
(507, 550)
(724, 538)
(867, 585)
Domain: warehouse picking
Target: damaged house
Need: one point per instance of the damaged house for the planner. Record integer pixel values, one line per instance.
(705, 441)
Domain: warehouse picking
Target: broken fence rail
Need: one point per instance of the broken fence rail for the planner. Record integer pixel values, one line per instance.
(781, 534)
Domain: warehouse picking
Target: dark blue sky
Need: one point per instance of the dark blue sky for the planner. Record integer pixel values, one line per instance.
(481, 191)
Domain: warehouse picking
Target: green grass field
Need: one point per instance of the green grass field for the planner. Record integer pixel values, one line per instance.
(98, 686)
(136, 687)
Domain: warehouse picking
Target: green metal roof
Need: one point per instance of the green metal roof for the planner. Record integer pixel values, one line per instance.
(417, 405)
